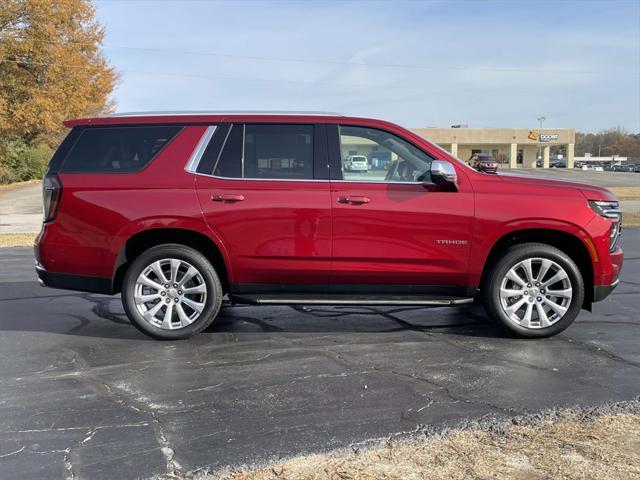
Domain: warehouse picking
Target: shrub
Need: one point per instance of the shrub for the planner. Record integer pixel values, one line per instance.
(20, 161)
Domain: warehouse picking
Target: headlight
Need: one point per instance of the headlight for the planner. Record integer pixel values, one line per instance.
(605, 208)
(611, 211)
(614, 235)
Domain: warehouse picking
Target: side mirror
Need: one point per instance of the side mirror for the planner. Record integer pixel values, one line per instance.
(443, 173)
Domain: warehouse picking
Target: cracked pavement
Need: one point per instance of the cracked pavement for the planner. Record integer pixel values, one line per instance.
(84, 395)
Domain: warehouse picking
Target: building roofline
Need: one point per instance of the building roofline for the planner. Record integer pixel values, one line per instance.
(492, 128)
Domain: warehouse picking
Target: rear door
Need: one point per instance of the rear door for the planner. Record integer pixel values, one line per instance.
(393, 229)
(264, 191)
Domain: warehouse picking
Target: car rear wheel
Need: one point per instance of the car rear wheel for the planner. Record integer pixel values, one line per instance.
(171, 292)
(534, 290)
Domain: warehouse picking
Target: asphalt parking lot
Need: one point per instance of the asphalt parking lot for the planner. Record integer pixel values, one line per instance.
(84, 395)
(603, 179)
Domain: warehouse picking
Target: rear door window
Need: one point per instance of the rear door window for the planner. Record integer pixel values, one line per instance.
(268, 151)
(117, 149)
(278, 151)
(230, 162)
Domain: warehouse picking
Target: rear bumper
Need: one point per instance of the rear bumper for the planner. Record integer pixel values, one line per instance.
(67, 281)
(600, 292)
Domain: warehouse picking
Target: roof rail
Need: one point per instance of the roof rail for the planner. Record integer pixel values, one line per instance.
(224, 112)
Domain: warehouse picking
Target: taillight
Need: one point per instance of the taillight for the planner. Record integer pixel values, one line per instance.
(51, 195)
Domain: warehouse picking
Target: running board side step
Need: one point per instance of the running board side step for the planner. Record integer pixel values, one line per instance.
(306, 299)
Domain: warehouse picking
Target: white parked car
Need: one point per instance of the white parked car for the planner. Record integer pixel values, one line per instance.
(595, 168)
(356, 163)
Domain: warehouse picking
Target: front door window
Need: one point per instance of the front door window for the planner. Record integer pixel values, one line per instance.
(372, 155)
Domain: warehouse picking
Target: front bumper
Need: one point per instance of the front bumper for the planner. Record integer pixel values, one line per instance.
(600, 292)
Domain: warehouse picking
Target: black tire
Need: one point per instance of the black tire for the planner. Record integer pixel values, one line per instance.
(196, 259)
(490, 291)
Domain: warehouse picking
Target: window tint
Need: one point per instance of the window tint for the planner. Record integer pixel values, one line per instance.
(212, 152)
(230, 161)
(63, 150)
(117, 149)
(371, 155)
(278, 151)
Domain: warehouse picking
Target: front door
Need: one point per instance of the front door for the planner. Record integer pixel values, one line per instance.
(394, 230)
(264, 200)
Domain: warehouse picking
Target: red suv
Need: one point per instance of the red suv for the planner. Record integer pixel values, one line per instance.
(175, 211)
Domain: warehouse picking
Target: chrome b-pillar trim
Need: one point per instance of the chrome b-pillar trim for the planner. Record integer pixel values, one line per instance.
(194, 160)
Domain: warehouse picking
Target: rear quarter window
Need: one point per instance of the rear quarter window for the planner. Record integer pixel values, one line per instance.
(117, 149)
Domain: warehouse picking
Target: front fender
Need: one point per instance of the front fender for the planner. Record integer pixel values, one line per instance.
(487, 236)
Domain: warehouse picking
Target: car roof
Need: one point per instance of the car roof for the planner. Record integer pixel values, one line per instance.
(209, 116)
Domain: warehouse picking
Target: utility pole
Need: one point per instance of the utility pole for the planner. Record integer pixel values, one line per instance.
(540, 120)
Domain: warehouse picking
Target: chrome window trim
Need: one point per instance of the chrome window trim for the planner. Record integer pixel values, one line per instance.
(263, 179)
(196, 156)
(386, 182)
(302, 180)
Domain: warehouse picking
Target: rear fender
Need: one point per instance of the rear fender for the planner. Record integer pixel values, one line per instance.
(178, 223)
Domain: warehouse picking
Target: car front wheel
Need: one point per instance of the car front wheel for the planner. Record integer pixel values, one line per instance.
(171, 292)
(534, 290)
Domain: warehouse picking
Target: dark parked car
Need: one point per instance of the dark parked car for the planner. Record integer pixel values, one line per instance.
(175, 211)
(619, 168)
(484, 163)
(558, 163)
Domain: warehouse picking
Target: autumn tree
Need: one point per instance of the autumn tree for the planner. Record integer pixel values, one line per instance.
(615, 141)
(51, 68)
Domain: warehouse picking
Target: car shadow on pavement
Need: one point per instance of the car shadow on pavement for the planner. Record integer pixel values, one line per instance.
(467, 320)
(93, 315)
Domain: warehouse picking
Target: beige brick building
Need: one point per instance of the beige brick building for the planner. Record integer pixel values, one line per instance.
(512, 147)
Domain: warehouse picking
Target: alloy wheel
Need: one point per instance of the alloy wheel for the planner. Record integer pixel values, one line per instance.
(170, 293)
(535, 293)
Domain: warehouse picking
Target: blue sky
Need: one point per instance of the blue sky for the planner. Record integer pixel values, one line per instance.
(418, 63)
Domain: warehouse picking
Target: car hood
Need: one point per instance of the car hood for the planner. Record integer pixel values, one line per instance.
(591, 192)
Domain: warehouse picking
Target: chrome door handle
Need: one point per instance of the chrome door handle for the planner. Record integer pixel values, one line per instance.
(229, 198)
(354, 199)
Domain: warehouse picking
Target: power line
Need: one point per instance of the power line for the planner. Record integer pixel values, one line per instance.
(367, 64)
(604, 71)
(277, 81)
